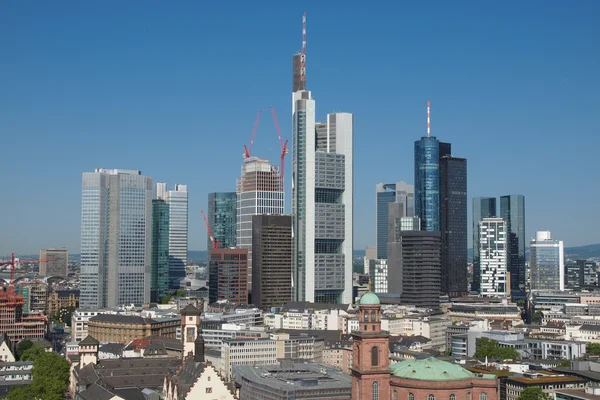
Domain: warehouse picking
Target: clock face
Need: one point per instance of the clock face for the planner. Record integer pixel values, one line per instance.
(189, 334)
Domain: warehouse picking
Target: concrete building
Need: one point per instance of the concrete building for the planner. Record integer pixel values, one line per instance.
(378, 272)
(116, 207)
(272, 259)
(58, 299)
(228, 275)
(16, 324)
(547, 262)
(259, 191)
(57, 264)
(547, 382)
(222, 219)
(483, 207)
(581, 274)
(177, 200)
(370, 254)
(322, 203)
(125, 328)
(386, 193)
(35, 294)
(493, 242)
(79, 323)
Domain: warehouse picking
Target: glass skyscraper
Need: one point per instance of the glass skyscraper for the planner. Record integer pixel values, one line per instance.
(483, 207)
(512, 210)
(387, 193)
(222, 218)
(159, 272)
(547, 262)
(116, 232)
(453, 225)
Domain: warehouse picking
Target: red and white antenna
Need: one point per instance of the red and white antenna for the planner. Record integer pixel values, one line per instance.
(428, 118)
(303, 56)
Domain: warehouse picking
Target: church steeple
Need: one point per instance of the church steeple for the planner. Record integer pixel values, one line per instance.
(199, 346)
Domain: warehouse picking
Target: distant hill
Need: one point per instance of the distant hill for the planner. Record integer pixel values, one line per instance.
(583, 252)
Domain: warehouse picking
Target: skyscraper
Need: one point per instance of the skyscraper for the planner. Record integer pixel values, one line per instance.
(322, 203)
(259, 191)
(178, 230)
(159, 270)
(453, 225)
(512, 209)
(271, 260)
(222, 218)
(116, 232)
(493, 234)
(547, 262)
(228, 275)
(483, 207)
(57, 264)
(390, 193)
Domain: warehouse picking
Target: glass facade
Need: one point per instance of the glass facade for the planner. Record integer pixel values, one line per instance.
(512, 210)
(547, 263)
(453, 225)
(299, 202)
(483, 207)
(222, 218)
(427, 183)
(159, 272)
(178, 234)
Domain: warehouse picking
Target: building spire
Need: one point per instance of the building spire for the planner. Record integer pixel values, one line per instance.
(428, 118)
(303, 56)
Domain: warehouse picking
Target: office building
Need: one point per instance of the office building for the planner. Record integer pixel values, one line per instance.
(159, 270)
(493, 235)
(222, 218)
(228, 275)
(378, 273)
(453, 225)
(272, 260)
(370, 254)
(259, 191)
(512, 209)
(322, 203)
(386, 193)
(483, 207)
(118, 328)
(57, 264)
(580, 273)
(397, 224)
(116, 209)
(177, 200)
(547, 262)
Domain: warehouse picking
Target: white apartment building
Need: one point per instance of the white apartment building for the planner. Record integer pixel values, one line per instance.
(378, 271)
(493, 239)
(79, 323)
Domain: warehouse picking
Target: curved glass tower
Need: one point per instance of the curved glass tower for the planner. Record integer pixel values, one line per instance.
(427, 182)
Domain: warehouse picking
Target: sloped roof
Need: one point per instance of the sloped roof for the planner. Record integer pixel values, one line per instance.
(190, 309)
(89, 341)
(432, 369)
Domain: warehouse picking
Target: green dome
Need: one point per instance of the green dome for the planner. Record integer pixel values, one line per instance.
(432, 369)
(369, 298)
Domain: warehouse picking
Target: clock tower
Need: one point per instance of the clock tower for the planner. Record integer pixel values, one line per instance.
(190, 327)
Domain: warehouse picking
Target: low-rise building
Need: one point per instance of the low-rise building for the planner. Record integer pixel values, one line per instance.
(547, 382)
(58, 299)
(125, 328)
(79, 323)
(339, 355)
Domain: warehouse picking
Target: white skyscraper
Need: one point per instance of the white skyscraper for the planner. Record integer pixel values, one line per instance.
(178, 230)
(259, 191)
(547, 262)
(493, 238)
(322, 203)
(116, 232)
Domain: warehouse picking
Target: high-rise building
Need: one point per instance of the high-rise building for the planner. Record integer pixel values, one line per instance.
(271, 260)
(370, 254)
(222, 218)
(259, 191)
(378, 273)
(57, 264)
(400, 192)
(580, 274)
(547, 262)
(512, 209)
(159, 270)
(322, 203)
(116, 232)
(453, 225)
(493, 234)
(228, 275)
(178, 230)
(483, 207)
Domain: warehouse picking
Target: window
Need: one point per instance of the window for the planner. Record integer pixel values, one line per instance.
(395, 397)
(411, 396)
(469, 396)
(375, 391)
(357, 391)
(431, 397)
(366, 316)
(373, 319)
(452, 397)
(209, 390)
(375, 356)
(483, 396)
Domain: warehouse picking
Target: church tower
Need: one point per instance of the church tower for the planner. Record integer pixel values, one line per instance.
(190, 327)
(370, 368)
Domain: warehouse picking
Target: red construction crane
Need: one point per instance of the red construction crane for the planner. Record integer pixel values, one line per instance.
(284, 149)
(246, 149)
(215, 244)
(13, 263)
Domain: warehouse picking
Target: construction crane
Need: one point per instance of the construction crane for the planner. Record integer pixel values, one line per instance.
(216, 244)
(246, 149)
(284, 149)
(13, 263)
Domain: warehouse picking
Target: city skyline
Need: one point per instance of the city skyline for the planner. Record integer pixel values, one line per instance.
(477, 105)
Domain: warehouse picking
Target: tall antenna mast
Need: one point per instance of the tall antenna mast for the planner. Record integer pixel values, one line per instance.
(428, 118)
(303, 56)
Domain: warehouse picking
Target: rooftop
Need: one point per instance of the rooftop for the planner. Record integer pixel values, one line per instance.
(369, 298)
(432, 369)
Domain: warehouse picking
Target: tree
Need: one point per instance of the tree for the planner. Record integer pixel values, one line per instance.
(537, 317)
(534, 393)
(166, 299)
(565, 364)
(50, 379)
(593, 348)
(22, 346)
(490, 348)
(32, 353)
(180, 293)
(521, 303)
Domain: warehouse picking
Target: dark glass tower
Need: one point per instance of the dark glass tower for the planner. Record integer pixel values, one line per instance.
(222, 218)
(512, 209)
(483, 207)
(427, 181)
(386, 194)
(453, 224)
(159, 266)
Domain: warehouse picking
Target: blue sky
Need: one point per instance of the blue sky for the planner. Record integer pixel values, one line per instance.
(172, 89)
